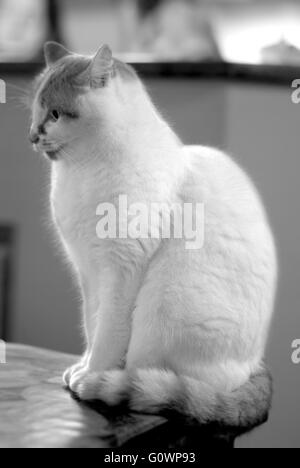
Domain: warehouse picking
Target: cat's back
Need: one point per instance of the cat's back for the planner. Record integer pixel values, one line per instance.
(214, 177)
(214, 165)
(232, 204)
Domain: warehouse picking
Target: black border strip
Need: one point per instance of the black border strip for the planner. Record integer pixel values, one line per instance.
(270, 74)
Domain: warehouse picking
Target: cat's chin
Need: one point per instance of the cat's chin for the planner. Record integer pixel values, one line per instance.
(52, 155)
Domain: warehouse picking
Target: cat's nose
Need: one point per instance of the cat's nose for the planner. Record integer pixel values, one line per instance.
(34, 137)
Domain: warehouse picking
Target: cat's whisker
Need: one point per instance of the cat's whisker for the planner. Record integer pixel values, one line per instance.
(66, 153)
(18, 94)
(17, 88)
(19, 103)
(79, 164)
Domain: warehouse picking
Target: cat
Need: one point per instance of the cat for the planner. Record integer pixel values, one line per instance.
(167, 328)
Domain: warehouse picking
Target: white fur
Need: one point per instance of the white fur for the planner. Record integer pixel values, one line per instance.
(201, 314)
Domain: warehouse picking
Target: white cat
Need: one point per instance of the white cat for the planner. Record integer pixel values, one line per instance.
(166, 327)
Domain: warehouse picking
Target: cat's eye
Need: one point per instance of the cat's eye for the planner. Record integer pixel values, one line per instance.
(55, 115)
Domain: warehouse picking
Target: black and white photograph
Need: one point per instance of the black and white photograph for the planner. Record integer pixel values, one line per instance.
(150, 227)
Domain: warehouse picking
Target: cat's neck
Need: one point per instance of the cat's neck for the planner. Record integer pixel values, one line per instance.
(138, 121)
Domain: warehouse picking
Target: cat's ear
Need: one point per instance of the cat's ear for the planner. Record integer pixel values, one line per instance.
(102, 67)
(54, 52)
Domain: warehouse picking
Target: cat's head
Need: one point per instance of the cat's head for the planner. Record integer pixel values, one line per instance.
(74, 96)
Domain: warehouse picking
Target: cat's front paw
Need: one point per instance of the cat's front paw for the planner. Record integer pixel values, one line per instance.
(71, 371)
(111, 387)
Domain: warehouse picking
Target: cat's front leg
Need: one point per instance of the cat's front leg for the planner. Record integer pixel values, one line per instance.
(90, 304)
(108, 351)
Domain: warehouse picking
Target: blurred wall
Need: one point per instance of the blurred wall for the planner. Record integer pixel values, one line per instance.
(262, 130)
(260, 126)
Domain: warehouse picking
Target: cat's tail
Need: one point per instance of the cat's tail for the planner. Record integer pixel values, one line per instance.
(154, 391)
(157, 391)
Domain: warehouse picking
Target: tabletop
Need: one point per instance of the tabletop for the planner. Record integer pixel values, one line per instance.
(36, 411)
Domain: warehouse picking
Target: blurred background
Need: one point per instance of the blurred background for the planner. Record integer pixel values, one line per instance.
(244, 31)
(221, 73)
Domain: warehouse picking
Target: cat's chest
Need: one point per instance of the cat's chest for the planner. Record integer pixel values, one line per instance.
(74, 202)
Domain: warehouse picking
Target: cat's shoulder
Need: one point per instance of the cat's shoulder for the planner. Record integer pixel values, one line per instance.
(206, 157)
(199, 153)
(216, 167)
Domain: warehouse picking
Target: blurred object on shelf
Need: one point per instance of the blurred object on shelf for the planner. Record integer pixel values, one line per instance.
(281, 53)
(173, 30)
(146, 7)
(244, 28)
(163, 31)
(88, 23)
(23, 28)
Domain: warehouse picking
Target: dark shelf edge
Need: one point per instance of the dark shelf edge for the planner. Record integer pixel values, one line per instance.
(271, 74)
(26, 68)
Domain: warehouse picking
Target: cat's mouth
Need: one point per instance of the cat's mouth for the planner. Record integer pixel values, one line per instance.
(52, 153)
